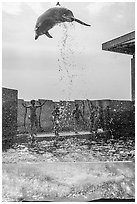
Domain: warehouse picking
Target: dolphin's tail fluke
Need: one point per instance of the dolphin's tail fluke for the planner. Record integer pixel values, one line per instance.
(79, 21)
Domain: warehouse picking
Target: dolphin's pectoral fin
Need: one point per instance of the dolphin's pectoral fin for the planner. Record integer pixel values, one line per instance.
(47, 34)
(79, 21)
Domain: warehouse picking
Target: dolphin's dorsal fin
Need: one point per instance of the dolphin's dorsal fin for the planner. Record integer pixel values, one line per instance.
(47, 34)
(58, 4)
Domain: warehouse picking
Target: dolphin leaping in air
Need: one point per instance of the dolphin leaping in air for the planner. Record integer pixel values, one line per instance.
(51, 17)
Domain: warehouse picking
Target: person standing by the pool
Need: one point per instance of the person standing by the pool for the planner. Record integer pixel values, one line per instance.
(108, 119)
(91, 116)
(56, 119)
(96, 119)
(77, 114)
(33, 116)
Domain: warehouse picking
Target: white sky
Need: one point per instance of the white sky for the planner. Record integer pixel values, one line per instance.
(32, 67)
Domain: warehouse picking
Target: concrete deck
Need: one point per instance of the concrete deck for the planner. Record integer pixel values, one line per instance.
(63, 135)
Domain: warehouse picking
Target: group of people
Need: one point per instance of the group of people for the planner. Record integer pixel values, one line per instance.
(94, 119)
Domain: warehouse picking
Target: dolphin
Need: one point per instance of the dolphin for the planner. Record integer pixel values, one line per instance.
(52, 17)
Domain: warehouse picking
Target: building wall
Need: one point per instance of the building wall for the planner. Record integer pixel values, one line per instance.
(9, 113)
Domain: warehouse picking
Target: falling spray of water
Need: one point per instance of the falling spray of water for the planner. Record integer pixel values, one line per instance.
(69, 49)
(66, 67)
(66, 63)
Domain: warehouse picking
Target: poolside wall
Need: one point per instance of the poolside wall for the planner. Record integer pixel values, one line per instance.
(122, 113)
(9, 113)
(13, 115)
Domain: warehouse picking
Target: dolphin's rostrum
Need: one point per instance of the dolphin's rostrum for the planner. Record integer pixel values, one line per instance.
(51, 17)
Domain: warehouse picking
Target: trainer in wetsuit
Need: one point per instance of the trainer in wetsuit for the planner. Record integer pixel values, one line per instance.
(91, 116)
(96, 119)
(56, 118)
(76, 115)
(33, 116)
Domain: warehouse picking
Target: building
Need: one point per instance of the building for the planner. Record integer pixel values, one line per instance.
(124, 44)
